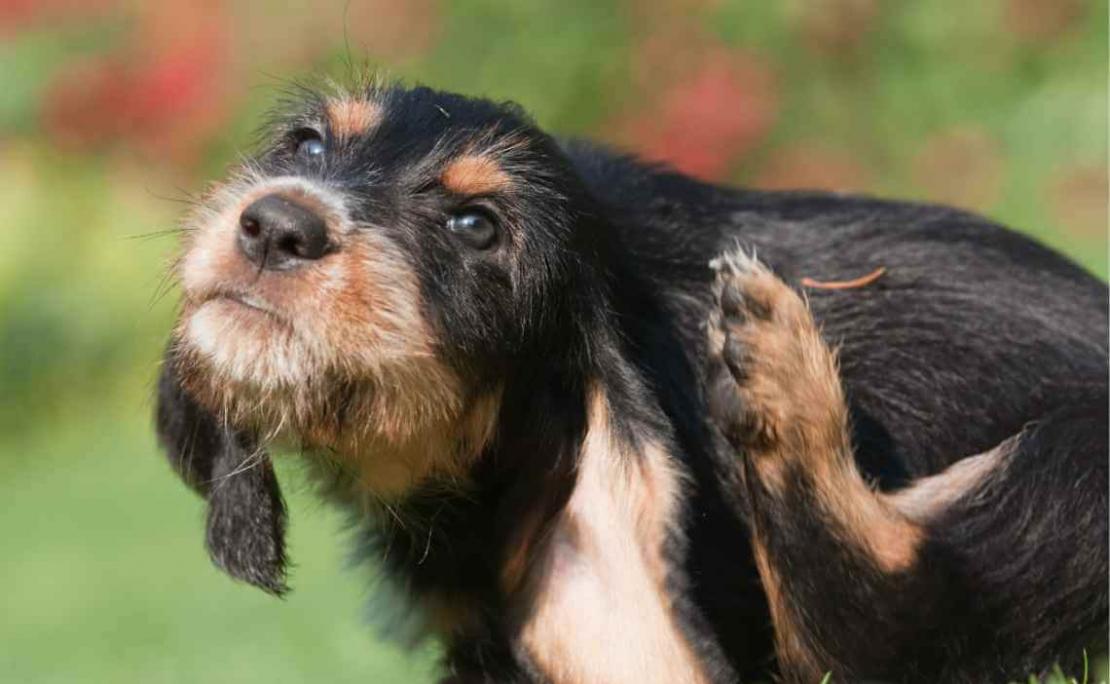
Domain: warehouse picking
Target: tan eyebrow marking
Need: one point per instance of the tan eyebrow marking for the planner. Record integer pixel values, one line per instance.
(474, 174)
(352, 117)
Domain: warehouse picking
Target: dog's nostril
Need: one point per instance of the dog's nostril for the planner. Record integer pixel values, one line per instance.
(278, 233)
(290, 244)
(249, 225)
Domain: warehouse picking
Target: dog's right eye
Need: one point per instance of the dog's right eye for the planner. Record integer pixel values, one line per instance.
(309, 145)
(474, 227)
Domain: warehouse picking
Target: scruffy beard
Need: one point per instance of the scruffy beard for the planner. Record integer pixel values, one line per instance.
(334, 357)
(371, 438)
(260, 375)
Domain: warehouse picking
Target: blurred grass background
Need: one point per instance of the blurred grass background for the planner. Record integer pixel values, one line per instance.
(111, 109)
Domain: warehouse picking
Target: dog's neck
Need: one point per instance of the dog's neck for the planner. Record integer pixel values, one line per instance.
(571, 515)
(605, 563)
(365, 468)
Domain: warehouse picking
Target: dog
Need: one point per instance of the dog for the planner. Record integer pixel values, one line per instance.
(604, 422)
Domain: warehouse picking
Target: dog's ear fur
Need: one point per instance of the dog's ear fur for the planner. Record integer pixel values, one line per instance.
(246, 513)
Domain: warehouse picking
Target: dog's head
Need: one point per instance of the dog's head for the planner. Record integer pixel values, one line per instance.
(361, 287)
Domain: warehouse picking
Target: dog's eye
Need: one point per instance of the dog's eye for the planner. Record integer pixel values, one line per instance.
(474, 228)
(309, 145)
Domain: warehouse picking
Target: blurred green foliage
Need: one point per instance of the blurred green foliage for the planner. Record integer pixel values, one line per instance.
(110, 111)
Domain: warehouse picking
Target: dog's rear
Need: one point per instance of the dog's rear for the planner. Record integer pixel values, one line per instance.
(965, 574)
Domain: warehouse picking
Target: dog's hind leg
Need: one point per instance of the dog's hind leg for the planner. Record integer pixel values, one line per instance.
(991, 570)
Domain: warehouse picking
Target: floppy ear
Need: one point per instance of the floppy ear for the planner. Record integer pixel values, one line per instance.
(246, 514)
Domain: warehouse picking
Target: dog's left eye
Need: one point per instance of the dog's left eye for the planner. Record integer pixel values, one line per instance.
(474, 228)
(309, 145)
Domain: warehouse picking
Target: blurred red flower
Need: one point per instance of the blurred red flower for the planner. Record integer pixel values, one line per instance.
(704, 120)
(163, 92)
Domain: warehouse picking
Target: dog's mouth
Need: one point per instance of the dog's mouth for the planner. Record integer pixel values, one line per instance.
(244, 302)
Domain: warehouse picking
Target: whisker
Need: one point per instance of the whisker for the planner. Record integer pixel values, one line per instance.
(185, 197)
(253, 461)
(393, 513)
(158, 233)
(431, 530)
(165, 285)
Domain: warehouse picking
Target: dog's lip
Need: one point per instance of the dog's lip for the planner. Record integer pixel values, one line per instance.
(244, 299)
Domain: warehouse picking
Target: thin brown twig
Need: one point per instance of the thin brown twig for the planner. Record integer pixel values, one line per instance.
(862, 281)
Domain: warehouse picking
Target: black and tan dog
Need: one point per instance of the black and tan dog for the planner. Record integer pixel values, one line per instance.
(590, 455)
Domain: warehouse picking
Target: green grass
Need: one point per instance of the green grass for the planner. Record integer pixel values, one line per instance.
(105, 578)
(1093, 673)
(1100, 674)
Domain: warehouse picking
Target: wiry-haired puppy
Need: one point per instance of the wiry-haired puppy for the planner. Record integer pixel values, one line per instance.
(606, 423)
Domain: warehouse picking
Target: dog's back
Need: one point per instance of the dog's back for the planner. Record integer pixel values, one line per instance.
(953, 334)
(971, 331)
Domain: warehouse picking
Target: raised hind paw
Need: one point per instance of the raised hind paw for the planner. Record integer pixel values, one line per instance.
(774, 385)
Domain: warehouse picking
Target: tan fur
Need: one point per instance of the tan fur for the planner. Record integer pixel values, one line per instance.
(337, 354)
(386, 468)
(798, 417)
(351, 117)
(931, 496)
(475, 174)
(448, 615)
(790, 645)
(600, 611)
(514, 570)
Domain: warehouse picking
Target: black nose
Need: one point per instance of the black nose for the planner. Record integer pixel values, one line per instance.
(277, 233)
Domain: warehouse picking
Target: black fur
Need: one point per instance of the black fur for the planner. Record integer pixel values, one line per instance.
(974, 334)
(246, 513)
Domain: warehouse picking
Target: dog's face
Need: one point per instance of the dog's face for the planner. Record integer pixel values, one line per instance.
(364, 287)
(364, 282)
